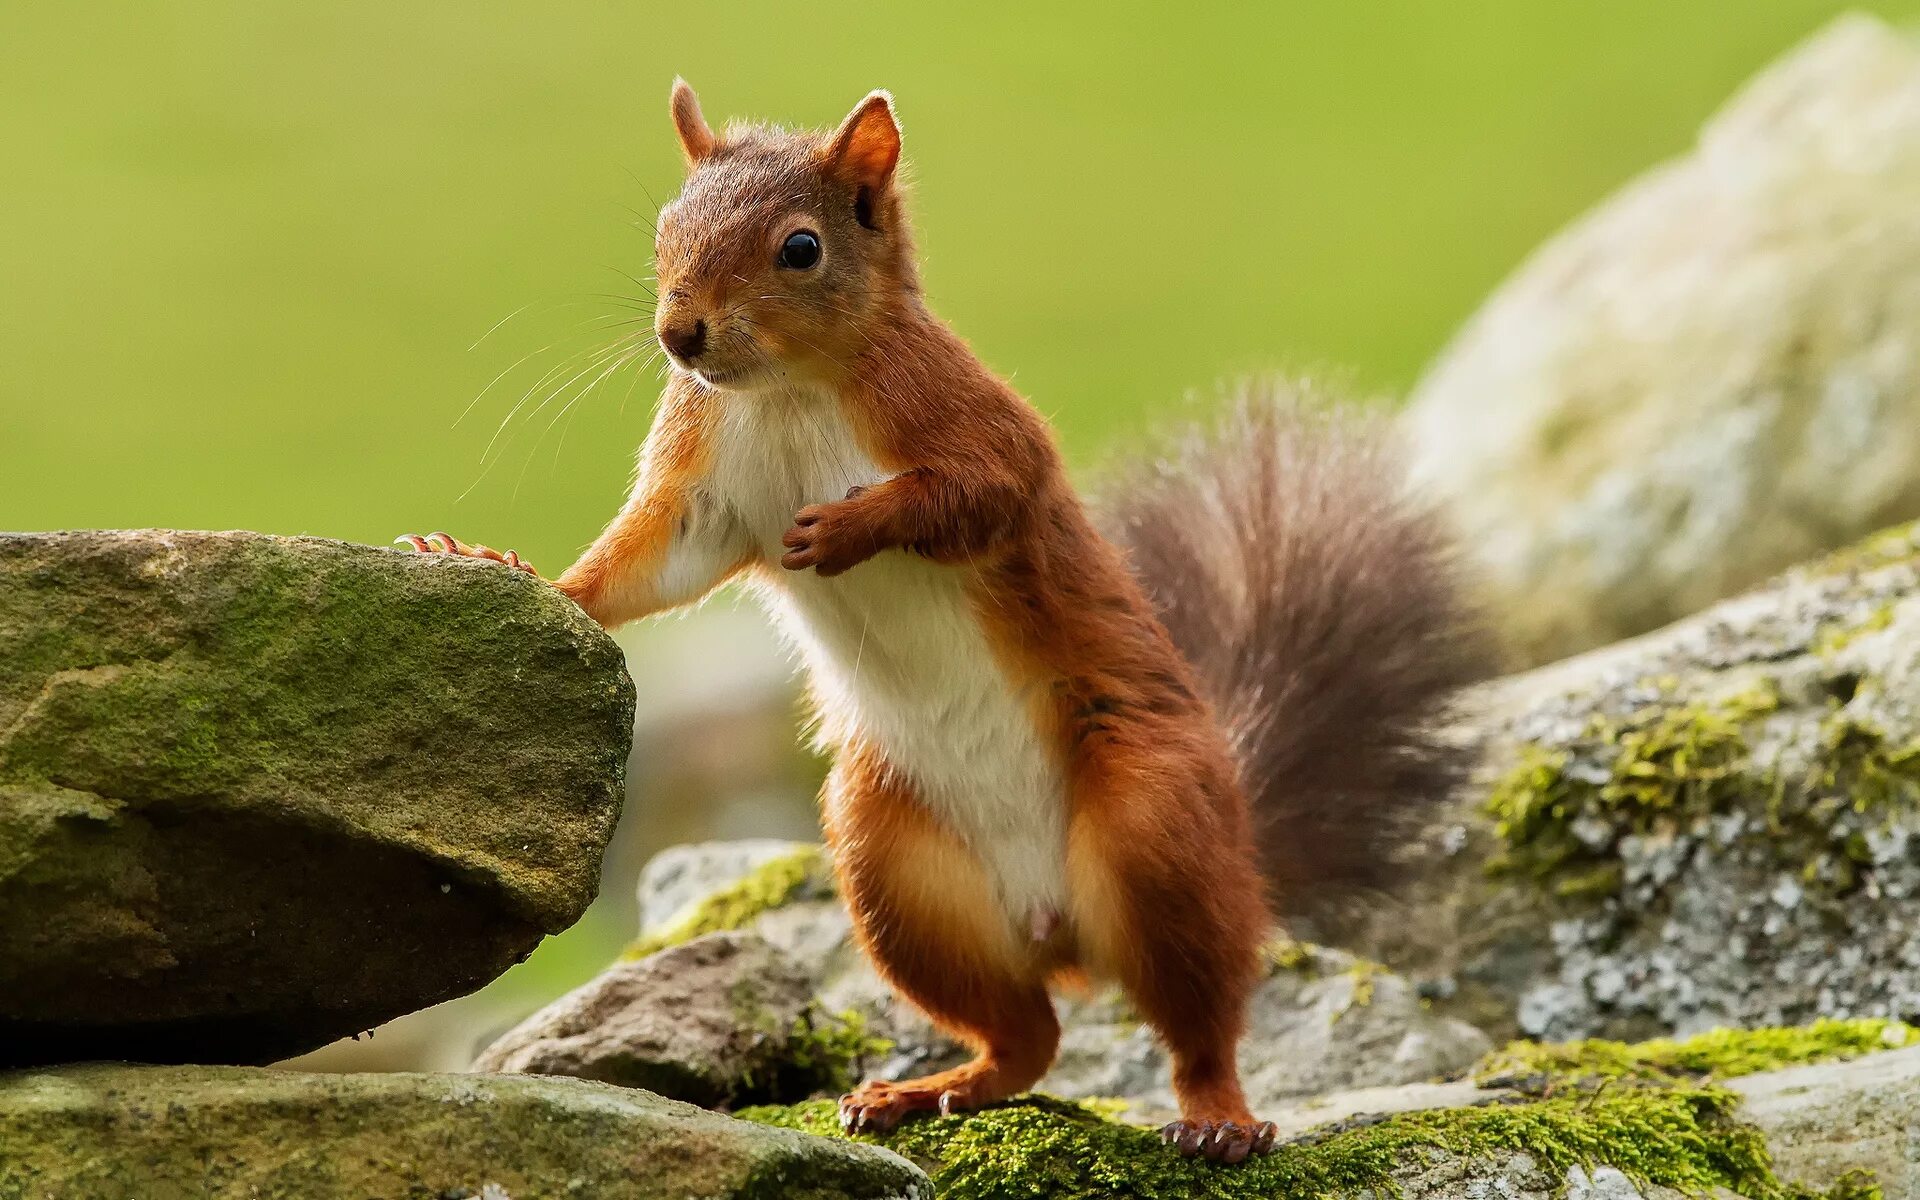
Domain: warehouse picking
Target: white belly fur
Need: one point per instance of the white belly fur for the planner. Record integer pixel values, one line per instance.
(897, 654)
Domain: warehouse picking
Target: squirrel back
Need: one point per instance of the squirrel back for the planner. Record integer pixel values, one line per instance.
(1318, 603)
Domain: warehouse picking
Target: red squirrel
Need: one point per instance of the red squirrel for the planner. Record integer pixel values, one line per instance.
(1044, 740)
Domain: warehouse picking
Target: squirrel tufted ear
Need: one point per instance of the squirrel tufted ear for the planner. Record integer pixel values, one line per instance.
(696, 140)
(866, 147)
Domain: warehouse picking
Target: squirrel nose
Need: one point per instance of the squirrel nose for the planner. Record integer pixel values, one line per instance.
(686, 341)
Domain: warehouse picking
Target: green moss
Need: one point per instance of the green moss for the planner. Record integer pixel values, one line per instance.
(1719, 1054)
(768, 886)
(831, 1049)
(1670, 763)
(1684, 1138)
(1856, 1184)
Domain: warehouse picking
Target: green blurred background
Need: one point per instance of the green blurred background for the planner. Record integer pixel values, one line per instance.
(246, 250)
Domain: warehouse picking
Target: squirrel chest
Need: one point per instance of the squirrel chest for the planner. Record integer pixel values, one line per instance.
(898, 655)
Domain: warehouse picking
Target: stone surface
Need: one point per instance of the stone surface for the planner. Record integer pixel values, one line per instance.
(1725, 822)
(1712, 376)
(1329, 1022)
(170, 1133)
(257, 793)
(710, 1022)
(1824, 1120)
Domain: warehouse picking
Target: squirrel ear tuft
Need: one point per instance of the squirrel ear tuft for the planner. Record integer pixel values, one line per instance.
(696, 139)
(866, 147)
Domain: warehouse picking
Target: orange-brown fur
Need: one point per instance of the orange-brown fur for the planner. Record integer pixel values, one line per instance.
(1166, 894)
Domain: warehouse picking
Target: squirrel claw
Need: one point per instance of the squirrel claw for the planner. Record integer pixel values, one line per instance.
(441, 542)
(877, 1106)
(1221, 1141)
(869, 1118)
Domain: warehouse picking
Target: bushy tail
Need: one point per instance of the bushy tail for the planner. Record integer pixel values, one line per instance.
(1318, 602)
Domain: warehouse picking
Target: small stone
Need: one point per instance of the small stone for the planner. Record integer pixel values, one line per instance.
(710, 1022)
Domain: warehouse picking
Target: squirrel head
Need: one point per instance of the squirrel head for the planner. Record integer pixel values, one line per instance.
(782, 249)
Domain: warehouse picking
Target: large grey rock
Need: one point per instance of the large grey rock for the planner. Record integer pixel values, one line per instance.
(258, 793)
(213, 1133)
(1716, 824)
(711, 1022)
(1713, 376)
(1327, 1021)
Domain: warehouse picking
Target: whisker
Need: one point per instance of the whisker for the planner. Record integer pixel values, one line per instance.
(630, 279)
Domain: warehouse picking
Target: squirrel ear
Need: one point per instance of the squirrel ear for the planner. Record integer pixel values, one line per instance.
(696, 140)
(866, 147)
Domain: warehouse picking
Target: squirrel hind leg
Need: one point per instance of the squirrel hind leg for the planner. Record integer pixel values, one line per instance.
(920, 908)
(1179, 923)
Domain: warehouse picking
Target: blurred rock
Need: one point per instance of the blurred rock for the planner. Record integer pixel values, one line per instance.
(1711, 377)
(677, 878)
(710, 1022)
(258, 793)
(1716, 824)
(234, 1133)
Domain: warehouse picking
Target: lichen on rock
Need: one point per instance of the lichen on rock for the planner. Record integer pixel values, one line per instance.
(1667, 764)
(1715, 824)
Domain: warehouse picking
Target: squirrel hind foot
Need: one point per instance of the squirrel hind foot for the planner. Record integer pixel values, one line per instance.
(1222, 1141)
(877, 1106)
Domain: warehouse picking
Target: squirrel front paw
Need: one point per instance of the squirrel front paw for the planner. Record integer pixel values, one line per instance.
(446, 543)
(830, 538)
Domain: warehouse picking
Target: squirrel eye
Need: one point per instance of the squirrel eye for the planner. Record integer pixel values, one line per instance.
(800, 251)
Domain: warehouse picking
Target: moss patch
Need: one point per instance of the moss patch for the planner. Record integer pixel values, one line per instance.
(1037, 1147)
(773, 883)
(1719, 1054)
(1662, 768)
(829, 1051)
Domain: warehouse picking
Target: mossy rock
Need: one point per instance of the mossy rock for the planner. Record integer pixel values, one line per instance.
(720, 1021)
(214, 1133)
(1715, 824)
(258, 793)
(1685, 1139)
(1658, 1119)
